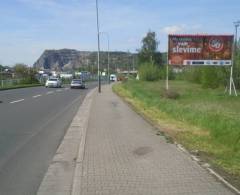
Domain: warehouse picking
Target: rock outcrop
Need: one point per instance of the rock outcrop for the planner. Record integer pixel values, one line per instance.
(69, 59)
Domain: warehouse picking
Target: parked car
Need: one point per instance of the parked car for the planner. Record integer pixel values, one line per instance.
(53, 82)
(78, 84)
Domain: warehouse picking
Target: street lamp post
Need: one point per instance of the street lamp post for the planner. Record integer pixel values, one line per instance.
(236, 24)
(128, 63)
(1, 76)
(108, 38)
(133, 63)
(98, 55)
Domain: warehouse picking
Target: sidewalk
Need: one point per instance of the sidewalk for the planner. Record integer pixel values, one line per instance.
(123, 156)
(110, 150)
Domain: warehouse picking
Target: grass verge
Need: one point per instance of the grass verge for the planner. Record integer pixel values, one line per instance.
(20, 86)
(205, 121)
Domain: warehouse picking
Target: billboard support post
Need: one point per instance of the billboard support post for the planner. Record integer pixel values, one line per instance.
(167, 67)
(234, 50)
(232, 84)
(167, 86)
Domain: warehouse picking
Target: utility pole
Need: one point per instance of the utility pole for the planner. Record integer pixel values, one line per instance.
(108, 40)
(88, 68)
(133, 63)
(1, 76)
(128, 64)
(236, 24)
(108, 59)
(98, 58)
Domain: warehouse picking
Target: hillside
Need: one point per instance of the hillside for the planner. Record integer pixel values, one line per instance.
(69, 59)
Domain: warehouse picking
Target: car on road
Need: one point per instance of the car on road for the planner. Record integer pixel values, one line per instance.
(113, 77)
(78, 84)
(53, 82)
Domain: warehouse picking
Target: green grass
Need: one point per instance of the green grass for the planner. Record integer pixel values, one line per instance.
(19, 86)
(206, 120)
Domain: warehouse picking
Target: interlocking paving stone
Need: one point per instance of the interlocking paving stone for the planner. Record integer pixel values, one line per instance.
(124, 156)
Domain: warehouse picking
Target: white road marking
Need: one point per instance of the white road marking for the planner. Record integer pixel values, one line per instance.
(66, 89)
(50, 92)
(36, 96)
(58, 90)
(16, 101)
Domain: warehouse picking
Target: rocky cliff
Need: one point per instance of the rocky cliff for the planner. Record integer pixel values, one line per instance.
(69, 59)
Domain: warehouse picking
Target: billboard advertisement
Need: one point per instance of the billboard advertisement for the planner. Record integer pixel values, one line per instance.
(200, 50)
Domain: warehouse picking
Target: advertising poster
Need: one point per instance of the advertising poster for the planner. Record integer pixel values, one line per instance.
(200, 50)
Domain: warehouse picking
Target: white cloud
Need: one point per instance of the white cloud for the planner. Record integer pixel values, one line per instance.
(183, 28)
(173, 29)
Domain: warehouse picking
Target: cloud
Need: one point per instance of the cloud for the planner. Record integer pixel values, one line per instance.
(183, 28)
(173, 29)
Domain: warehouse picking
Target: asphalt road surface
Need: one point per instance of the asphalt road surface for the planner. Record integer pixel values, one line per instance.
(33, 121)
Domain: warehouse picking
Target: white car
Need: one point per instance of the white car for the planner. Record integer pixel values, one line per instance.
(53, 82)
(113, 77)
(78, 84)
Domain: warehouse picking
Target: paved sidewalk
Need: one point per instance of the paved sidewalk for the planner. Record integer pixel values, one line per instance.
(123, 156)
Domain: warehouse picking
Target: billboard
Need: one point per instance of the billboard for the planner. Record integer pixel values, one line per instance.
(200, 50)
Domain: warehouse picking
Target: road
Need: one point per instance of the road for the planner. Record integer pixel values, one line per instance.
(33, 122)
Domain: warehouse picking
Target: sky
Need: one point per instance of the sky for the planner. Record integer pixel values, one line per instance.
(28, 27)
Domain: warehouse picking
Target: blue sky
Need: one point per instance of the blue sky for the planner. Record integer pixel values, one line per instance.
(28, 27)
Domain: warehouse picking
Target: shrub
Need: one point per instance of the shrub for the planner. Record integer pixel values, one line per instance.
(171, 94)
(149, 72)
(192, 74)
(208, 77)
(29, 80)
(163, 73)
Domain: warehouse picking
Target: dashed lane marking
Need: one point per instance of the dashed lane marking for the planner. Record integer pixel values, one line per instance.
(16, 101)
(50, 92)
(36, 96)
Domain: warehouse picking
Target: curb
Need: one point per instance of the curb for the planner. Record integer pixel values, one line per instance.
(76, 185)
(207, 167)
(61, 176)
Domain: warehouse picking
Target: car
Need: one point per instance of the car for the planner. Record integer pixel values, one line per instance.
(53, 82)
(113, 77)
(78, 84)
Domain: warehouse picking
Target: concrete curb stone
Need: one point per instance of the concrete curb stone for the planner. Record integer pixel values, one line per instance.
(61, 177)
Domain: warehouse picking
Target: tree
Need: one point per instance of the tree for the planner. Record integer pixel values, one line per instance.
(25, 73)
(148, 51)
(21, 70)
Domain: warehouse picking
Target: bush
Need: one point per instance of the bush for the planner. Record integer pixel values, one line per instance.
(149, 72)
(163, 73)
(29, 80)
(171, 94)
(208, 77)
